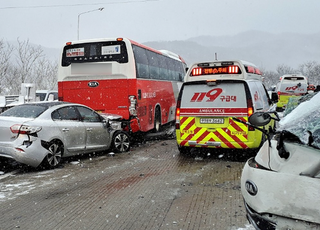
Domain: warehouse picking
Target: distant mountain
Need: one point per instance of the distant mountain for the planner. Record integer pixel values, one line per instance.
(266, 50)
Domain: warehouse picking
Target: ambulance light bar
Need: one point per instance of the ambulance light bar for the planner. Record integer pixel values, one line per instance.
(214, 70)
(203, 69)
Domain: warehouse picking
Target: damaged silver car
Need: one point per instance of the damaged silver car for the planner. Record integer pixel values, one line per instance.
(42, 133)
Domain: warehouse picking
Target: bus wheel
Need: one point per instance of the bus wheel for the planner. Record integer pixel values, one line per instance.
(120, 142)
(157, 120)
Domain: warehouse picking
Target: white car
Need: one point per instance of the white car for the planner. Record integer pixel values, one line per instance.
(44, 132)
(281, 185)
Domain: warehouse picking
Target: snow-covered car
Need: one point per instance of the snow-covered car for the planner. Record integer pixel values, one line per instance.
(281, 184)
(44, 132)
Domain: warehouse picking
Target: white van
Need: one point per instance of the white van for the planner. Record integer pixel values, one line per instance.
(212, 95)
(46, 95)
(290, 85)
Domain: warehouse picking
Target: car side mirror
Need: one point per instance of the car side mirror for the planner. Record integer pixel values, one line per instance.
(259, 119)
(274, 97)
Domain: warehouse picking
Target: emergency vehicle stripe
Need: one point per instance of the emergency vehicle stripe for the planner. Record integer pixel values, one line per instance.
(240, 142)
(190, 124)
(201, 135)
(237, 127)
(183, 119)
(224, 140)
(234, 139)
(213, 112)
(188, 137)
(234, 136)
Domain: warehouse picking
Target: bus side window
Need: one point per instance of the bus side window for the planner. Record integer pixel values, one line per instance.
(141, 62)
(163, 67)
(153, 64)
(170, 66)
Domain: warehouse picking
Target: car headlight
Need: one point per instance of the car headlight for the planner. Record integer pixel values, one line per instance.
(116, 125)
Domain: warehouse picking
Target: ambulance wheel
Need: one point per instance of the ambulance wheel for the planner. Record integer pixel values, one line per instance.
(184, 150)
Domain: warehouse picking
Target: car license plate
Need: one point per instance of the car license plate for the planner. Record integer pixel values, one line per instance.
(211, 120)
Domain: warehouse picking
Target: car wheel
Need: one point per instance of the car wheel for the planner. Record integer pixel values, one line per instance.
(121, 142)
(55, 151)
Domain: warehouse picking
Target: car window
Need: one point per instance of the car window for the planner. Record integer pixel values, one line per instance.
(53, 95)
(27, 111)
(260, 96)
(66, 113)
(88, 115)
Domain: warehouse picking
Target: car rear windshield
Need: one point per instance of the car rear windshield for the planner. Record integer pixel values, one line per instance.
(294, 78)
(26, 111)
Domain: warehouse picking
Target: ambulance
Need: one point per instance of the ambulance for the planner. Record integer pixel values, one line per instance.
(290, 85)
(213, 93)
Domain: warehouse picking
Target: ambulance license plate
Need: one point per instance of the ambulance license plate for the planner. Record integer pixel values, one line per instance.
(211, 120)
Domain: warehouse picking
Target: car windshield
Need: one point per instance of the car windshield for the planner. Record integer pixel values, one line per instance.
(304, 120)
(26, 111)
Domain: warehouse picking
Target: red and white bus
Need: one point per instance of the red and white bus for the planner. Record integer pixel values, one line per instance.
(120, 76)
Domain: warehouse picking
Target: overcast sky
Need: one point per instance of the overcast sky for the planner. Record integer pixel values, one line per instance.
(51, 23)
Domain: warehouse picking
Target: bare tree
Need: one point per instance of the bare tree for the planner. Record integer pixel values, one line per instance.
(29, 66)
(270, 78)
(284, 69)
(312, 71)
(46, 74)
(26, 57)
(5, 55)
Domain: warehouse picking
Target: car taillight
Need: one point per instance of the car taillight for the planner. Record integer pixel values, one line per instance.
(250, 111)
(250, 107)
(178, 118)
(24, 129)
(178, 115)
(132, 106)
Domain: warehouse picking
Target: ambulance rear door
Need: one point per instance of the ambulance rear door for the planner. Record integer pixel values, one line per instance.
(206, 112)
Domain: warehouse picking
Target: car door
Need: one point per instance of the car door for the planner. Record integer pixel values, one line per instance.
(98, 137)
(73, 132)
